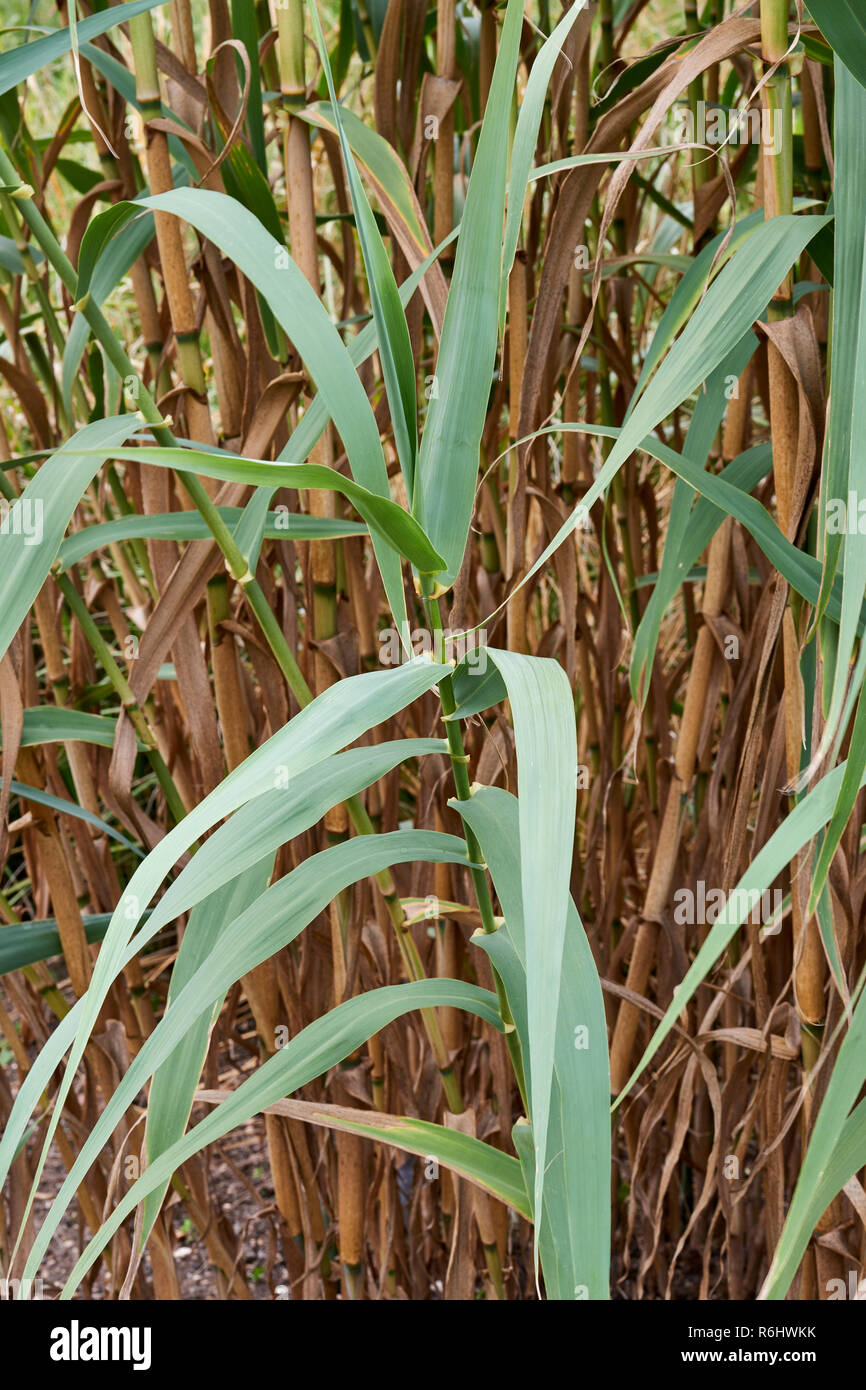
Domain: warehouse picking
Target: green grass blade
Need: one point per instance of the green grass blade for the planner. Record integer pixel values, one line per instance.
(71, 808)
(551, 1232)
(37, 520)
(113, 264)
(276, 918)
(847, 1158)
(189, 526)
(843, 24)
(335, 718)
(736, 298)
(22, 62)
(245, 27)
(24, 943)
(395, 347)
(175, 1081)
(489, 1168)
(578, 1135)
(542, 711)
(708, 414)
(51, 724)
(844, 473)
(302, 316)
(394, 530)
(843, 1088)
(381, 167)
(801, 570)
(276, 816)
(526, 140)
(321, 1045)
(690, 290)
(447, 472)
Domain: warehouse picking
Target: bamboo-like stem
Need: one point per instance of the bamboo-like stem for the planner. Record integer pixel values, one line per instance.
(135, 713)
(575, 447)
(515, 537)
(778, 190)
(260, 985)
(302, 237)
(227, 684)
(169, 234)
(643, 953)
(120, 168)
(56, 332)
(784, 423)
(443, 157)
(700, 166)
(52, 859)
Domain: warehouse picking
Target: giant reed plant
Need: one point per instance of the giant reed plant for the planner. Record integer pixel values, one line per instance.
(430, 566)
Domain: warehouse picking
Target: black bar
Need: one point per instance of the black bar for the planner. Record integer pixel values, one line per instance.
(648, 1338)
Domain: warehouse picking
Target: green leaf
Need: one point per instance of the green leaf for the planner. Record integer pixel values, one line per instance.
(843, 1088)
(99, 233)
(338, 716)
(272, 921)
(395, 347)
(10, 256)
(735, 299)
(847, 1158)
(489, 1168)
(379, 164)
(806, 819)
(691, 288)
(190, 526)
(302, 316)
(275, 816)
(394, 529)
(855, 767)
(44, 510)
(315, 418)
(525, 141)
(50, 724)
(321, 1045)
(360, 348)
(550, 1233)
(798, 567)
(27, 942)
(680, 551)
(175, 1081)
(245, 28)
(21, 62)
(577, 1173)
(542, 711)
(844, 473)
(447, 472)
(220, 881)
(70, 808)
(111, 262)
(843, 24)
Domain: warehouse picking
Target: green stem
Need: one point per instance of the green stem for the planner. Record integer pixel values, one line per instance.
(774, 42)
(460, 772)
